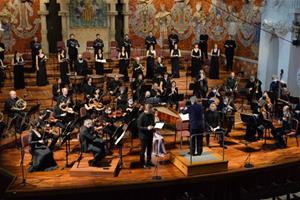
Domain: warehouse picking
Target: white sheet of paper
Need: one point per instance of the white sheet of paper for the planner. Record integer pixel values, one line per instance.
(184, 117)
(159, 125)
(103, 61)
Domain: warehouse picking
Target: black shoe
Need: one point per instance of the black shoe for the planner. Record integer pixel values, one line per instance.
(146, 166)
(150, 164)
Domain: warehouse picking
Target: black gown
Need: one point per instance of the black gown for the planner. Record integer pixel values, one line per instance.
(214, 65)
(42, 156)
(196, 63)
(150, 66)
(41, 74)
(19, 82)
(123, 66)
(175, 63)
(99, 65)
(64, 69)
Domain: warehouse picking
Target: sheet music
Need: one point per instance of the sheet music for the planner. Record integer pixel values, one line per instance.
(159, 125)
(102, 61)
(184, 117)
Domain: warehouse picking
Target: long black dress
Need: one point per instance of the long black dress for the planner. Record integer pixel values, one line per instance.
(196, 63)
(64, 69)
(175, 63)
(41, 74)
(150, 66)
(123, 66)
(19, 82)
(99, 65)
(214, 65)
(42, 156)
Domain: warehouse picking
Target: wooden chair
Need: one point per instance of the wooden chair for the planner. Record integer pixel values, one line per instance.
(293, 132)
(89, 45)
(182, 128)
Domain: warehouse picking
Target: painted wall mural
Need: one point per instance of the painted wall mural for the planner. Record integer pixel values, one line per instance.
(88, 13)
(20, 22)
(190, 18)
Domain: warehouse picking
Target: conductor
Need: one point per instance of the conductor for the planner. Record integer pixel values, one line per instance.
(195, 112)
(146, 128)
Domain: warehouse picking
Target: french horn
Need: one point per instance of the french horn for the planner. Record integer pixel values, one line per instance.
(20, 105)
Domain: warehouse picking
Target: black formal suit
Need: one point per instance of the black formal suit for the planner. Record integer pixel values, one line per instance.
(150, 40)
(230, 46)
(203, 45)
(173, 39)
(2, 52)
(35, 47)
(72, 45)
(145, 135)
(98, 44)
(195, 112)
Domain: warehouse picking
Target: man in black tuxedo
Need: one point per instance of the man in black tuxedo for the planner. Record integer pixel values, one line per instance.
(146, 124)
(173, 39)
(203, 45)
(196, 120)
(2, 50)
(35, 46)
(150, 40)
(127, 44)
(230, 46)
(73, 46)
(98, 44)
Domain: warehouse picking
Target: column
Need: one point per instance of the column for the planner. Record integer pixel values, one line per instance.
(126, 14)
(112, 15)
(43, 13)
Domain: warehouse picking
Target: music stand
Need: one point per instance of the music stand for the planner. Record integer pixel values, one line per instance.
(117, 138)
(243, 95)
(248, 119)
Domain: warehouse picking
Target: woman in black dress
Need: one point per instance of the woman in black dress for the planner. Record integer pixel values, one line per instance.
(175, 54)
(63, 65)
(196, 61)
(123, 57)
(214, 63)
(18, 63)
(41, 73)
(151, 54)
(42, 156)
(99, 62)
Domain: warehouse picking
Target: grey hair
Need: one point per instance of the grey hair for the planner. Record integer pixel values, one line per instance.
(87, 122)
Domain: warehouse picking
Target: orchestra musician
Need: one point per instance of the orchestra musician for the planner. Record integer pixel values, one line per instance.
(88, 88)
(196, 119)
(228, 109)
(229, 46)
(136, 87)
(151, 55)
(146, 123)
(35, 46)
(213, 124)
(254, 87)
(63, 66)
(160, 69)
(114, 85)
(201, 86)
(41, 70)
(156, 91)
(57, 89)
(42, 155)
(73, 46)
(274, 87)
(127, 44)
(203, 39)
(150, 40)
(98, 44)
(172, 94)
(123, 67)
(214, 63)
(214, 95)
(231, 85)
(99, 62)
(81, 66)
(137, 68)
(92, 142)
(173, 39)
(122, 98)
(2, 51)
(196, 61)
(18, 63)
(2, 74)
(175, 55)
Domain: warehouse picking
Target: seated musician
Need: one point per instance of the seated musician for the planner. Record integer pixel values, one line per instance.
(109, 119)
(213, 124)
(160, 69)
(286, 126)
(254, 87)
(56, 89)
(81, 66)
(231, 84)
(158, 145)
(42, 155)
(63, 109)
(155, 91)
(130, 112)
(114, 85)
(136, 87)
(15, 114)
(201, 85)
(146, 98)
(173, 95)
(92, 142)
(214, 96)
(274, 86)
(228, 110)
(88, 88)
(122, 98)
(285, 94)
(137, 68)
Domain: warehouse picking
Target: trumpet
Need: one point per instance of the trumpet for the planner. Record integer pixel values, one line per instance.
(20, 105)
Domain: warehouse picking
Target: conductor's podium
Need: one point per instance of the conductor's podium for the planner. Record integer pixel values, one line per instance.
(207, 162)
(108, 167)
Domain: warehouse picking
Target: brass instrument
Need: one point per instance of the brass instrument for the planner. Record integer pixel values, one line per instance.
(20, 105)
(1, 116)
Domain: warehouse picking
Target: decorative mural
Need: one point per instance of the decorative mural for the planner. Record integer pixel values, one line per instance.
(220, 19)
(88, 13)
(20, 22)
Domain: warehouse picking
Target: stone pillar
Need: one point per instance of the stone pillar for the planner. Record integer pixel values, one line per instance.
(43, 13)
(112, 12)
(64, 13)
(126, 14)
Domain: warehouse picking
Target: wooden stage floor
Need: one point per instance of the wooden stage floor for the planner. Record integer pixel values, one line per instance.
(264, 155)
